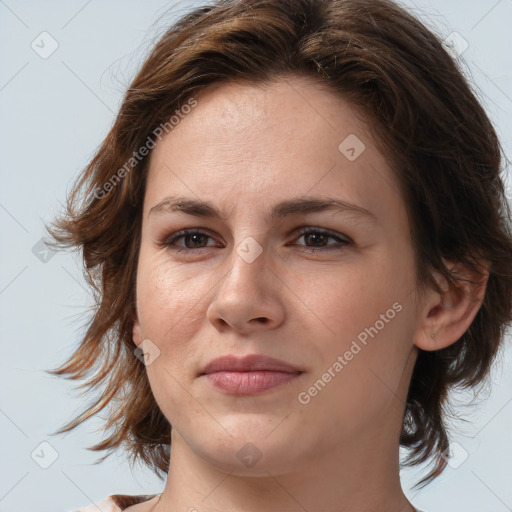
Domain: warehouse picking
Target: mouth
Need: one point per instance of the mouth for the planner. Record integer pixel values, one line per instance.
(247, 383)
(249, 375)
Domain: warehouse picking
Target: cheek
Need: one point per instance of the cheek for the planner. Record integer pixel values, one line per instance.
(171, 391)
(359, 379)
(166, 283)
(168, 299)
(346, 300)
(366, 316)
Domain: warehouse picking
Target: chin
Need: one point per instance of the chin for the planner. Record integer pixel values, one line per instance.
(254, 455)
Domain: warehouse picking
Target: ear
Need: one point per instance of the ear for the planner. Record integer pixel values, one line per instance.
(445, 317)
(136, 331)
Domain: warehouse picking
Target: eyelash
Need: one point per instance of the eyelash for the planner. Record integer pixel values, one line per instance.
(170, 241)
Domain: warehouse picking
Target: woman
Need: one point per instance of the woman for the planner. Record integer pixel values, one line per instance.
(299, 237)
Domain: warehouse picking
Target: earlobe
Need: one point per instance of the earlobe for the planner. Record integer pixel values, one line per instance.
(446, 316)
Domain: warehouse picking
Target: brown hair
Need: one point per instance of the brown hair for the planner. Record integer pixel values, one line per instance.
(422, 112)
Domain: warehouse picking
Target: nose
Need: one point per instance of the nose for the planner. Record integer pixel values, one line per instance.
(249, 296)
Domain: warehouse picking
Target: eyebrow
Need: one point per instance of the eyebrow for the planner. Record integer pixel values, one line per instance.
(296, 206)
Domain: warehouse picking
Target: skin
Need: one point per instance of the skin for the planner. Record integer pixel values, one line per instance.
(245, 148)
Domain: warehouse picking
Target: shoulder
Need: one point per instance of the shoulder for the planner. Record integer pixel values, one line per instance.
(116, 503)
(106, 505)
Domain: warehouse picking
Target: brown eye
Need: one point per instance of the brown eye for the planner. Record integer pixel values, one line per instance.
(193, 240)
(316, 240)
(319, 237)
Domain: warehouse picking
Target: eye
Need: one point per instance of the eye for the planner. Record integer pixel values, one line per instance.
(319, 236)
(192, 237)
(195, 239)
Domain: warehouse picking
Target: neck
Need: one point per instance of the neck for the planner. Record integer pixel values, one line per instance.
(362, 476)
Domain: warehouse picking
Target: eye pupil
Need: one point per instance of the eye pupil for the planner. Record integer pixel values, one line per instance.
(194, 236)
(314, 235)
(315, 239)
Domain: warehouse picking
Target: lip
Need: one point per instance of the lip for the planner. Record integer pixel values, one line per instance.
(248, 383)
(248, 375)
(249, 363)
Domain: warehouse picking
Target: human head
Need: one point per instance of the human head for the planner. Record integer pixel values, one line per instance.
(380, 60)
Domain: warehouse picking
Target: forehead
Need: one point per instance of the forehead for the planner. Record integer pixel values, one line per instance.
(265, 140)
(284, 112)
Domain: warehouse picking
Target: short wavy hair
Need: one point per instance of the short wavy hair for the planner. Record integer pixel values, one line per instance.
(427, 122)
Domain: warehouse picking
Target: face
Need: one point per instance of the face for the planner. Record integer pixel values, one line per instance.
(335, 303)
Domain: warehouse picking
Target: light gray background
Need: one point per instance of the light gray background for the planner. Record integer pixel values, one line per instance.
(54, 114)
